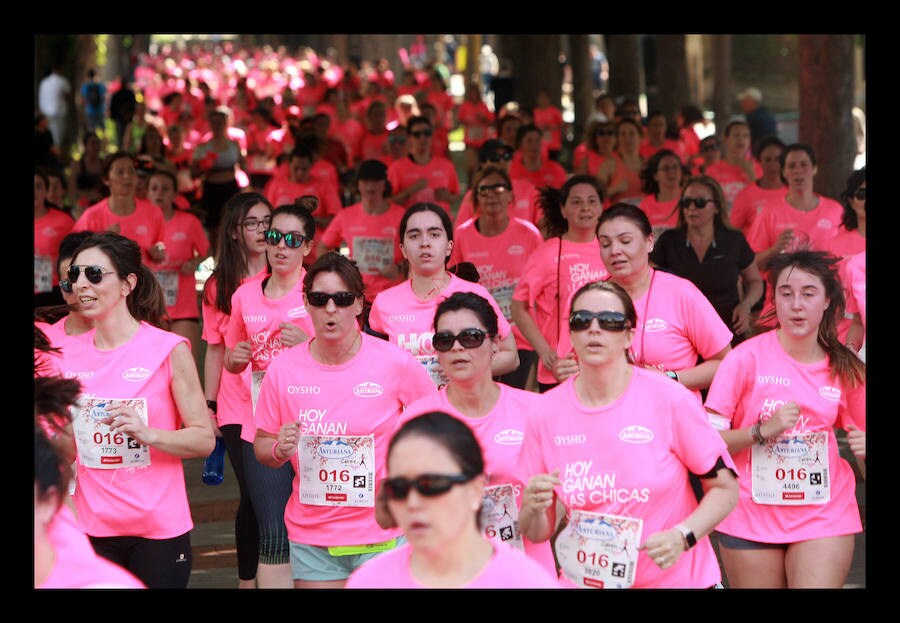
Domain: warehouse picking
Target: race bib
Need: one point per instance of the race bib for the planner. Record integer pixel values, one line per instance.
(503, 296)
(255, 382)
(372, 255)
(433, 367)
(43, 274)
(599, 551)
(500, 516)
(337, 471)
(791, 470)
(168, 280)
(100, 448)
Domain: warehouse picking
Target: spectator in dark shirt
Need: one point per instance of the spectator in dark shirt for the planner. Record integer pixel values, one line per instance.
(759, 118)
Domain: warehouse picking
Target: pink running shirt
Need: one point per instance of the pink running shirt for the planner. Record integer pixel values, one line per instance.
(49, 230)
(749, 202)
(500, 433)
(372, 240)
(151, 501)
(439, 172)
(500, 261)
(755, 379)
(819, 225)
(256, 317)
(732, 178)
(145, 225)
(552, 273)
(661, 213)
(676, 323)
(363, 396)
(76, 564)
(508, 568)
(550, 174)
(631, 458)
(409, 322)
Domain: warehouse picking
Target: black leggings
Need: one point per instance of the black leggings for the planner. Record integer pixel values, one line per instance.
(246, 531)
(270, 489)
(158, 563)
(519, 377)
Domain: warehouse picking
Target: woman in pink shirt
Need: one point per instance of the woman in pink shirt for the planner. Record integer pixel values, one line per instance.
(241, 256)
(770, 186)
(850, 241)
(329, 406)
(63, 556)
(677, 325)
(549, 119)
(268, 317)
(615, 459)
(477, 121)
(568, 259)
(497, 244)
(71, 322)
(142, 414)
(662, 178)
(123, 212)
(529, 162)
(621, 174)
(777, 400)
(434, 492)
(186, 247)
(50, 227)
(466, 339)
(405, 312)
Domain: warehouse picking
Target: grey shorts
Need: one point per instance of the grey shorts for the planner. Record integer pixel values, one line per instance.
(314, 563)
(734, 542)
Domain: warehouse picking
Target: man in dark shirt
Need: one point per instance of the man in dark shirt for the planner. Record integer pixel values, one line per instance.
(759, 119)
(121, 108)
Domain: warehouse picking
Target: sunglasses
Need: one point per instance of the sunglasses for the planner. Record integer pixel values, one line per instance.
(421, 133)
(468, 338)
(94, 274)
(498, 156)
(700, 202)
(65, 285)
(581, 320)
(605, 133)
(341, 299)
(252, 224)
(710, 148)
(294, 239)
(860, 194)
(487, 188)
(397, 139)
(428, 485)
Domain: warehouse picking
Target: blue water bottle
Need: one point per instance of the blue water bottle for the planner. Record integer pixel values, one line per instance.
(214, 464)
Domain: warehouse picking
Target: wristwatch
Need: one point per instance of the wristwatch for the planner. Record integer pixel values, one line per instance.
(212, 405)
(689, 539)
(672, 375)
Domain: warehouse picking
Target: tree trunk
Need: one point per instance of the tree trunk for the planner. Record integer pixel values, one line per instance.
(721, 103)
(672, 74)
(625, 73)
(582, 83)
(535, 65)
(826, 100)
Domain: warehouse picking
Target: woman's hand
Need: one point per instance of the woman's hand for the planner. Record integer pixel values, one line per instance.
(291, 334)
(740, 318)
(564, 367)
(123, 419)
(538, 495)
(784, 418)
(664, 548)
(287, 440)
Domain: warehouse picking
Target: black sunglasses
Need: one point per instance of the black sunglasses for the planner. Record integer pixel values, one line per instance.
(498, 156)
(581, 320)
(428, 485)
(860, 194)
(700, 202)
(94, 274)
(487, 188)
(293, 239)
(420, 133)
(65, 285)
(341, 299)
(468, 338)
(605, 133)
(709, 148)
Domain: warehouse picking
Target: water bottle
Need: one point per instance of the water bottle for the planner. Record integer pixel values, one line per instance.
(214, 464)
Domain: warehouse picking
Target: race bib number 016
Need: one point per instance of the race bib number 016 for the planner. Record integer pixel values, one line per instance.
(337, 471)
(100, 448)
(791, 470)
(599, 551)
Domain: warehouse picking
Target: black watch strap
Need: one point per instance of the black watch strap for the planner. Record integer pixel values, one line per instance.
(212, 405)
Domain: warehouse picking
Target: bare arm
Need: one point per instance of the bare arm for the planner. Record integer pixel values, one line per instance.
(523, 319)
(701, 375)
(506, 359)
